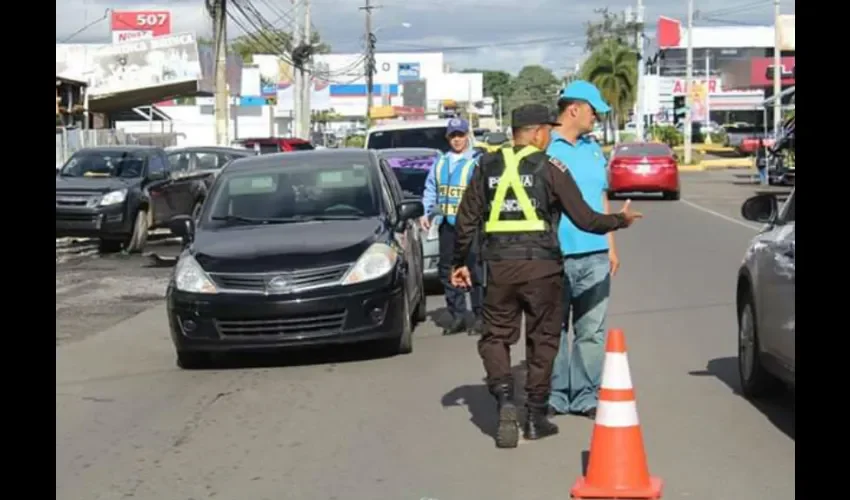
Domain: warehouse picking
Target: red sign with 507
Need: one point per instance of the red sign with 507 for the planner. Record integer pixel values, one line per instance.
(158, 22)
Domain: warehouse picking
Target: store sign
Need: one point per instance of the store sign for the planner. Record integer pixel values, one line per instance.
(408, 72)
(129, 25)
(762, 71)
(679, 85)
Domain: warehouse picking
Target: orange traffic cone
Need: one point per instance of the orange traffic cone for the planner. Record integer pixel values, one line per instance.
(617, 467)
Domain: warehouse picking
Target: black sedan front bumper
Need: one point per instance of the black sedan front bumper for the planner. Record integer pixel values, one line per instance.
(241, 322)
(96, 222)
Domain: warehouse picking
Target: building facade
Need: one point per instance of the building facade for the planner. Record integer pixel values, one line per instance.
(732, 69)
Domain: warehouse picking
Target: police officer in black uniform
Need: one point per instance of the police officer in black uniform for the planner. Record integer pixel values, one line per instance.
(519, 193)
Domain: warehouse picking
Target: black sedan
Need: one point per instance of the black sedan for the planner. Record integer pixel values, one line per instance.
(118, 193)
(294, 250)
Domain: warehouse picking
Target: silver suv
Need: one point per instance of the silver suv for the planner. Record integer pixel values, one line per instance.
(765, 299)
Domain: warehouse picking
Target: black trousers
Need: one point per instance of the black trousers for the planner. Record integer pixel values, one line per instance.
(456, 297)
(541, 301)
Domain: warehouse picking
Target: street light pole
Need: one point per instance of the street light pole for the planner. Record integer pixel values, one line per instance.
(689, 81)
(777, 70)
(641, 43)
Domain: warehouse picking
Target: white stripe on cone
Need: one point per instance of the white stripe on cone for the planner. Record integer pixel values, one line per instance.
(616, 414)
(615, 372)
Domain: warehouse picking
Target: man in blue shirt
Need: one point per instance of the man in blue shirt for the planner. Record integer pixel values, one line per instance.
(589, 259)
(444, 187)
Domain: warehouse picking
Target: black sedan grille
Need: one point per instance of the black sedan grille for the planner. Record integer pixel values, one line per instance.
(77, 198)
(302, 324)
(299, 279)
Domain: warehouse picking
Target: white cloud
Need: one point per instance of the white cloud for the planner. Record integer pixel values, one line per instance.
(477, 33)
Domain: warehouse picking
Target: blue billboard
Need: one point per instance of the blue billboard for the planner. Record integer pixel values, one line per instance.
(408, 72)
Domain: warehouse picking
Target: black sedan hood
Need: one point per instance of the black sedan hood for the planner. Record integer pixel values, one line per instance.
(281, 247)
(93, 184)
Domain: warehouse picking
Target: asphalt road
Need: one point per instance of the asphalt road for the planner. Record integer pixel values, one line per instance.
(346, 426)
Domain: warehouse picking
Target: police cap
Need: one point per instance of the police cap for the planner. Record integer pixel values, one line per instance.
(533, 114)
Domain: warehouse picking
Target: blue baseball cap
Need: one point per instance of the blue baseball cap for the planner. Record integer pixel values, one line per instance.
(456, 125)
(582, 90)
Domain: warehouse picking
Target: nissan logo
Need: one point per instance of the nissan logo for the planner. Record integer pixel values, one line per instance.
(277, 284)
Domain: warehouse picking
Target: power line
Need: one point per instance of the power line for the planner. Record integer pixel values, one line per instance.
(87, 26)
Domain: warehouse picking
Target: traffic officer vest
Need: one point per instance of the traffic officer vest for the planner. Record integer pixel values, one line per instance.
(519, 225)
(450, 186)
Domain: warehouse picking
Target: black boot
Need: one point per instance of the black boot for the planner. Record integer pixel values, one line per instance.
(537, 424)
(507, 434)
(456, 326)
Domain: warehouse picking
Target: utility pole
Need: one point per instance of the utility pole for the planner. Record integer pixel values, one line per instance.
(641, 46)
(370, 57)
(222, 97)
(689, 81)
(777, 70)
(707, 87)
(297, 76)
(306, 78)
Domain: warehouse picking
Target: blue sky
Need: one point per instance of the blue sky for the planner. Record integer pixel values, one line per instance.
(489, 34)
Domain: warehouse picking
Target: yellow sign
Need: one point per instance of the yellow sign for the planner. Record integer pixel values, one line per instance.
(379, 112)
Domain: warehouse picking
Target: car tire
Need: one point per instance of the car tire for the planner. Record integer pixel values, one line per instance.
(672, 195)
(756, 381)
(403, 344)
(137, 241)
(196, 210)
(190, 360)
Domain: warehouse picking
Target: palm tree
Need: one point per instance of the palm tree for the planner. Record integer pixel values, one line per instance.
(612, 67)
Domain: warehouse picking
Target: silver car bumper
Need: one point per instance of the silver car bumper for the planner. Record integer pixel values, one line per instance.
(431, 254)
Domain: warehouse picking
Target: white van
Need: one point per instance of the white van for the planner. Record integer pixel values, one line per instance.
(410, 134)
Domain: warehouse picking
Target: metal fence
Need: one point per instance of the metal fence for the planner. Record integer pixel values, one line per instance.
(69, 141)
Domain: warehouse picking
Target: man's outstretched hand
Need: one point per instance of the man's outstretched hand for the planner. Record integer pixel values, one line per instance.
(630, 215)
(460, 278)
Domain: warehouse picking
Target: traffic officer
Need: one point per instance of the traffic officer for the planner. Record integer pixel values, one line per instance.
(444, 189)
(529, 190)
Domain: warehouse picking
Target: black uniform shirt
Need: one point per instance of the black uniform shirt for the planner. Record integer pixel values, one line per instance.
(563, 194)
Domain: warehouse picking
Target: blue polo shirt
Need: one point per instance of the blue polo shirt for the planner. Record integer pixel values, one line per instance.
(586, 163)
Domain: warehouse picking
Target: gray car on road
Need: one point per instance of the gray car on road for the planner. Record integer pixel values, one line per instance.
(766, 299)
(411, 167)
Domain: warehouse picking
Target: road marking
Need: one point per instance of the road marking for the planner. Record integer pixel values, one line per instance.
(722, 216)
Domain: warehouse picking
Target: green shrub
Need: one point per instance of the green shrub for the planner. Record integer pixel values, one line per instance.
(718, 137)
(666, 134)
(355, 141)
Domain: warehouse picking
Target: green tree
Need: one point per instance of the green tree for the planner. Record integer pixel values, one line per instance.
(533, 85)
(612, 67)
(613, 26)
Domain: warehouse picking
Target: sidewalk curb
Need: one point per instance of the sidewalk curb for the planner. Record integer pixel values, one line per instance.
(706, 165)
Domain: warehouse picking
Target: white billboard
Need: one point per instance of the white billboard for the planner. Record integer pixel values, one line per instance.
(140, 64)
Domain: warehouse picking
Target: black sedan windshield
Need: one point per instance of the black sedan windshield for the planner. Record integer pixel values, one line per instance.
(294, 193)
(125, 164)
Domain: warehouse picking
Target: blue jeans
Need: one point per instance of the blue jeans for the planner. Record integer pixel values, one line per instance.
(577, 373)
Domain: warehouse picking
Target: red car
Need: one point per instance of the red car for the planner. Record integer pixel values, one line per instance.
(271, 145)
(643, 167)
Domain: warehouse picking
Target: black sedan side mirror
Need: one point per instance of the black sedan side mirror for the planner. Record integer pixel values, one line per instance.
(410, 209)
(182, 226)
(762, 208)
